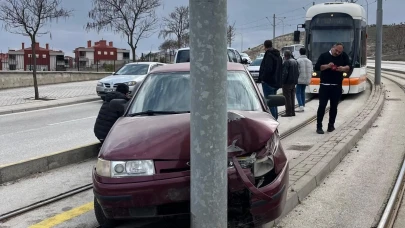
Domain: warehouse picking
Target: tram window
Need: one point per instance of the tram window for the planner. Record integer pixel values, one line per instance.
(363, 47)
(323, 40)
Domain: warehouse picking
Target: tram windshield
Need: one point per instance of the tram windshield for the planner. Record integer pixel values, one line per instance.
(324, 39)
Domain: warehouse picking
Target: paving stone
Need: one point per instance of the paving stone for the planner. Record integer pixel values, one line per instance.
(17, 96)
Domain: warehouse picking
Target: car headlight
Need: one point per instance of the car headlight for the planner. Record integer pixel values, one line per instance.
(116, 169)
(131, 83)
(99, 84)
(271, 148)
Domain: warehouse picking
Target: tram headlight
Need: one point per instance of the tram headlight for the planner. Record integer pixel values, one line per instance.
(344, 74)
(314, 74)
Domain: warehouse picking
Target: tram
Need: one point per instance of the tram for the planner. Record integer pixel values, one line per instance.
(329, 23)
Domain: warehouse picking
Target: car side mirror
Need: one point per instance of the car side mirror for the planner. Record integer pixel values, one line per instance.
(275, 100)
(118, 105)
(244, 61)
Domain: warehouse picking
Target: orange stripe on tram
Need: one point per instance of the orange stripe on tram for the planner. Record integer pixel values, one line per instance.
(353, 81)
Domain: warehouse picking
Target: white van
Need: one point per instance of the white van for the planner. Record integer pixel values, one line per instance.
(294, 49)
(183, 56)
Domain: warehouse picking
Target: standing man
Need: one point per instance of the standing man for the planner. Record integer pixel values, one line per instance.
(270, 73)
(305, 70)
(290, 79)
(332, 65)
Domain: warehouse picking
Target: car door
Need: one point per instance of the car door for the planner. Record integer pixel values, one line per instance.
(232, 56)
(238, 56)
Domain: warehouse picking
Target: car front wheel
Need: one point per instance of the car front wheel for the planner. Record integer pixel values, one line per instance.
(101, 219)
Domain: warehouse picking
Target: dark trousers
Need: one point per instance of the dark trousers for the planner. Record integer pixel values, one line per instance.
(268, 90)
(326, 93)
(289, 94)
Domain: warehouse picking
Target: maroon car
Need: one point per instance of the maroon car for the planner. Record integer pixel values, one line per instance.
(143, 168)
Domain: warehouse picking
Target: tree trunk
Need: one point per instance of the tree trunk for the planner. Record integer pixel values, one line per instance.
(34, 70)
(133, 49)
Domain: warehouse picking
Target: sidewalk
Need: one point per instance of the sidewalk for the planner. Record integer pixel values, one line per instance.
(22, 99)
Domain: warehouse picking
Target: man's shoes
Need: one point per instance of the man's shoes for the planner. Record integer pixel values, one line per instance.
(300, 109)
(331, 128)
(320, 131)
(285, 115)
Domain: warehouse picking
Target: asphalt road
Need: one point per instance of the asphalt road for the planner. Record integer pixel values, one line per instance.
(35, 133)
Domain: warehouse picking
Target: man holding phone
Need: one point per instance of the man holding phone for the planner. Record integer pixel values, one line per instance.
(332, 65)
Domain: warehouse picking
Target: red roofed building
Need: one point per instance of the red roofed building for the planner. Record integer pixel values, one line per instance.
(47, 59)
(99, 53)
(3, 61)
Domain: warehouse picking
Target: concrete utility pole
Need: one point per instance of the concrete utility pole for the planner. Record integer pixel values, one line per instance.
(208, 118)
(274, 30)
(378, 44)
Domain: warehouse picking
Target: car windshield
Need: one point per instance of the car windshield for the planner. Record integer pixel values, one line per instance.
(133, 69)
(170, 92)
(183, 56)
(256, 62)
(323, 40)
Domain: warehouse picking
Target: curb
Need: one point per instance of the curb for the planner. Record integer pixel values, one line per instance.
(15, 171)
(45, 106)
(350, 133)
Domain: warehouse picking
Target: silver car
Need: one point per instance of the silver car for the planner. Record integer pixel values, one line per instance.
(131, 74)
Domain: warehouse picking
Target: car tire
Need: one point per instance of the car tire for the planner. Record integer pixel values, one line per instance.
(101, 219)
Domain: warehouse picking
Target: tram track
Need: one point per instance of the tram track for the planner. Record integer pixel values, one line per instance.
(25, 209)
(394, 202)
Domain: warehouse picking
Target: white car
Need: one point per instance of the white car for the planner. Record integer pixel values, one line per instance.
(254, 68)
(131, 74)
(260, 55)
(183, 56)
(246, 57)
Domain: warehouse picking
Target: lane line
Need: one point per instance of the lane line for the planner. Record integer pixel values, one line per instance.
(68, 121)
(47, 125)
(65, 216)
(47, 109)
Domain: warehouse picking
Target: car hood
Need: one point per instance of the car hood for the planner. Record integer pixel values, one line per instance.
(253, 68)
(122, 78)
(167, 137)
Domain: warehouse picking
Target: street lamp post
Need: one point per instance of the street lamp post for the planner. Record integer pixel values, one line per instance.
(367, 11)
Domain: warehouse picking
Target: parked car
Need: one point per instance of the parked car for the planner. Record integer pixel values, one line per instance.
(183, 56)
(246, 57)
(254, 68)
(260, 55)
(143, 167)
(131, 74)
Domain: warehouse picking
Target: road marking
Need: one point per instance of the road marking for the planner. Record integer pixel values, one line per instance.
(46, 109)
(68, 121)
(65, 216)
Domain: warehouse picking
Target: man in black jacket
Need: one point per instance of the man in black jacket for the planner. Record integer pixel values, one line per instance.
(106, 116)
(332, 65)
(290, 79)
(270, 73)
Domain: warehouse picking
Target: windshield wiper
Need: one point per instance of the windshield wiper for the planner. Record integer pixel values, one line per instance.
(152, 113)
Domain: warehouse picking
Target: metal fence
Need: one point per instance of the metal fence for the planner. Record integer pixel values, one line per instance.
(65, 63)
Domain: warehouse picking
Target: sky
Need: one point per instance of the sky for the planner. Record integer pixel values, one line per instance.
(252, 27)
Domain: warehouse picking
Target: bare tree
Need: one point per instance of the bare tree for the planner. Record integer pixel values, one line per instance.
(168, 45)
(396, 37)
(177, 24)
(133, 19)
(28, 17)
(231, 33)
